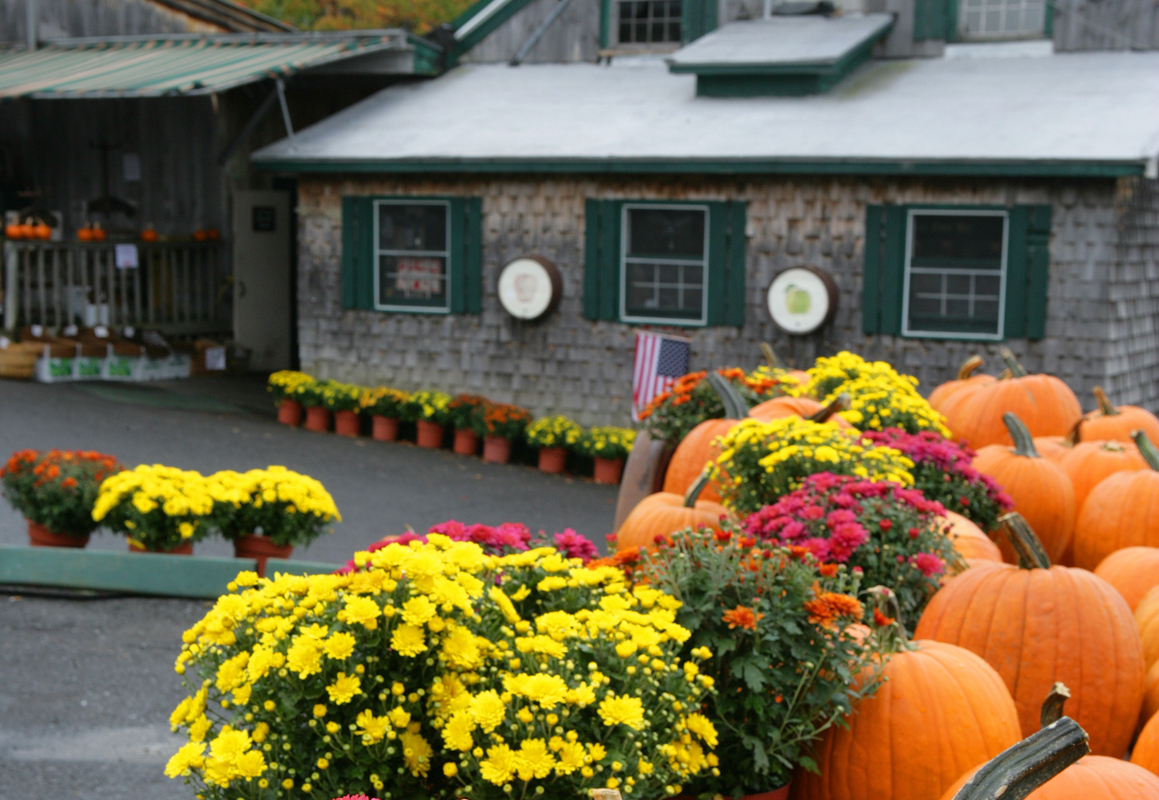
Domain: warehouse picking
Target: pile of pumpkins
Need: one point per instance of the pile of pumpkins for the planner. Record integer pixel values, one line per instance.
(1072, 596)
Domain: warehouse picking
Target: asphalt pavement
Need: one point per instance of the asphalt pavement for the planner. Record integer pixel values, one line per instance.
(87, 684)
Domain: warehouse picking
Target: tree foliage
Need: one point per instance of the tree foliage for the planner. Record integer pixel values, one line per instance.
(419, 16)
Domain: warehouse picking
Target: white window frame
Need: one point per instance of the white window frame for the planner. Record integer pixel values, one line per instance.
(909, 245)
(665, 45)
(624, 259)
(377, 252)
(964, 11)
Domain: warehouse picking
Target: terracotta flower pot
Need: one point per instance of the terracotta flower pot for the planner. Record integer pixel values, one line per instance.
(608, 470)
(384, 429)
(260, 548)
(346, 423)
(552, 459)
(40, 536)
(290, 412)
(430, 434)
(466, 442)
(318, 419)
(184, 549)
(496, 450)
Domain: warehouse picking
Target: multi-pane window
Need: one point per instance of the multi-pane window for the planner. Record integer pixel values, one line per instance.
(664, 263)
(955, 274)
(649, 21)
(411, 254)
(1002, 19)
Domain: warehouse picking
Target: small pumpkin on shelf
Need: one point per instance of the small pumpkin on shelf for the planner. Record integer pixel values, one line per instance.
(1117, 422)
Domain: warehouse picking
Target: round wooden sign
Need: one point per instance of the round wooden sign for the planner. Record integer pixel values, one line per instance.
(802, 299)
(529, 287)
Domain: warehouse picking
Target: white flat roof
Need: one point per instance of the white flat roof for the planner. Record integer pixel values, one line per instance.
(782, 40)
(1078, 113)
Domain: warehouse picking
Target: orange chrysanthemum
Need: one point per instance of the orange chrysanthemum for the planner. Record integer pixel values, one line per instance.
(742, 617)
(881, 620)
(828, 606)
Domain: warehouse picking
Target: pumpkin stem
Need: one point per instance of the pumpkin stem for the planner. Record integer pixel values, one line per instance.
(1023, 441)
(968, 366)
(1052, 706)
(695, 489)
(840, 403)
(1146, 449)
(1012, 364)
(1005, 375)
(889, 634)
(1027, 546)
(1106, 408)
(771, 356)
(735, 406)
(1075, 436)
(1017, 771)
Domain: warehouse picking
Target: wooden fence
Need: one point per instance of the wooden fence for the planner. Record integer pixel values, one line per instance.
(177, 288)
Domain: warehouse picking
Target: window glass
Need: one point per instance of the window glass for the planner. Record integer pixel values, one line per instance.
(955, 272)
(1002, 19)
(648, 21)
(664, 263)
(411, 254)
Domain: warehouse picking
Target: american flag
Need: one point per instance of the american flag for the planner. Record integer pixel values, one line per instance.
(660, 360)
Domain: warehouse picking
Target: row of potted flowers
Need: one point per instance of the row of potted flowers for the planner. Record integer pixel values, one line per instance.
(66, 495)
(473, 419)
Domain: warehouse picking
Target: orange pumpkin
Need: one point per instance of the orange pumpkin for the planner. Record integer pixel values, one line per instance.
(41, 230)
(149, 235)
(1037, 624)
(1090, 778)
(84, 234)
(1043, 402)
(1134, 571)
(1147, 621)
(970, 541)
(698, 447)
(14, 230)
(1053, 448)
(98, 233)
(1087, 464)
(1146, 751)
(966, 377)
(803, 407)
(1041, 491)
(940, 711)
(1150, 694)
(664, 513)
(1117, 423)
(1121, 511)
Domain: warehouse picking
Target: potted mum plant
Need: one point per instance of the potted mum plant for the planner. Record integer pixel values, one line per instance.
(56, 492)
(343, 400)
(465, 412)
(283, 386)
(894, 536)
(430, 411)
(554, 436)
(608, 447)
(267, 512)
(691, 400)
(787, 646)
(309, 394)
(502, 423)
(385, 407)
(159, 509)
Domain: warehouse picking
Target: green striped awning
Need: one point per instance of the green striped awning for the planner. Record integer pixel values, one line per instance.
(173, 66)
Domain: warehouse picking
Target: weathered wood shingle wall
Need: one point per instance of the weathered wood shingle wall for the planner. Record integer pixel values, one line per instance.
(60, 18)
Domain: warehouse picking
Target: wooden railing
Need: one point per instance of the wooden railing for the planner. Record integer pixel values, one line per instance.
(176, 288)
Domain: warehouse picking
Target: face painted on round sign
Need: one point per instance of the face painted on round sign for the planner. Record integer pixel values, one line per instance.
(525, 289)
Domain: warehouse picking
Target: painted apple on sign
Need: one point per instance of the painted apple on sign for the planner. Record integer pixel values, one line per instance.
(802, 299)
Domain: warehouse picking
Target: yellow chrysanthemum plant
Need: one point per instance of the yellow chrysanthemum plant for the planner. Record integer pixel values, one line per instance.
(157, 508)
(285, 384)
(283, 505)
(341, 396)
(383, 401)
(606, 442)
(762, 461)
(556, 431)
(435, 670)
(426, 405)
(880, 397)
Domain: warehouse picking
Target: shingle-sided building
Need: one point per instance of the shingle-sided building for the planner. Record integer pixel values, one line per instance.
(967, 196)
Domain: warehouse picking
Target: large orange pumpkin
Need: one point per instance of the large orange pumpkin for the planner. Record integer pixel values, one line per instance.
(940, 711)
(1043, 402)
(970, 541)
(1110, 422)
(1088, 464)
(665, 513)
(1146, 751)
(1041, 491)
(1147, 621)
(1037, 624)
(1090, 778)
(803, 407)
(1133, 571)
(1053, 448)
(966, 376)
(699, 447)
(1150, 694)
(1121, 511)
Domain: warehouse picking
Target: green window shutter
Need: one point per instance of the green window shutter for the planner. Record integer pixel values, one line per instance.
(602, 259)
(474, 277)
(726, 263)
(737, 263)
(698, 17)
(357, 255)
(1027, 269)
(465, 272)
(871, 271)
(892, 268)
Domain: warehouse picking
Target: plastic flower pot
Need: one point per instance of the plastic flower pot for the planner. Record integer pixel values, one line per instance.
(260, 549)
(496, 450)
(346, 423)
(318, 419)
(290, 412)
(552, 460)
(40, 536)
(608, 470)
(466, 442)
(384, 429)
(430, 434)
(183, 549)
